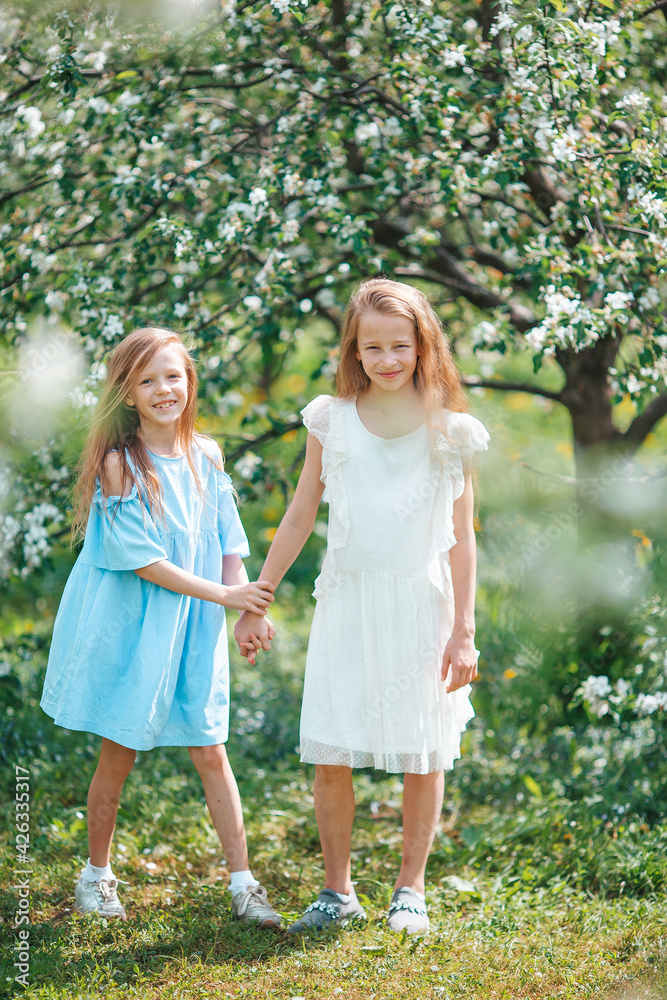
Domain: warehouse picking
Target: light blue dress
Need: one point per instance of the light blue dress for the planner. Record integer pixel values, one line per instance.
(129, 660)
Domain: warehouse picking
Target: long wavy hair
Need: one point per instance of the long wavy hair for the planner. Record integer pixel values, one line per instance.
(436, 377)
(115, 426)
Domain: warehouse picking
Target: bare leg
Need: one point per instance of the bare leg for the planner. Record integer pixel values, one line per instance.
(422, 804)
(334, 809)
(224, 802)
(113, 767)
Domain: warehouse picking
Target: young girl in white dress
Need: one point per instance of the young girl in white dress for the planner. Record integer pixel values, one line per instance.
(392, 651)
(139, 651)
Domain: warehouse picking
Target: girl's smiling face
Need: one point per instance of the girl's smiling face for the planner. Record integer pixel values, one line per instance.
(387, 349)
(160, 391)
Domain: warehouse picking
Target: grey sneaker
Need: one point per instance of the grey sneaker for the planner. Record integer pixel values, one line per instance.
(326, 911)
(253, 907)
(99, 897)
(407, 912)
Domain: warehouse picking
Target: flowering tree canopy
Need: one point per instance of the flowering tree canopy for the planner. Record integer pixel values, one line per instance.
(236, 173)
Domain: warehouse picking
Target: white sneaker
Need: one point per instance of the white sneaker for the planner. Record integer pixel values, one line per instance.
(99, 897)
(253, 907)
(407, 912)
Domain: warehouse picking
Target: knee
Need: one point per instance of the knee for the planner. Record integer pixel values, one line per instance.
(208, 759)
(332, 774)
(116, 761)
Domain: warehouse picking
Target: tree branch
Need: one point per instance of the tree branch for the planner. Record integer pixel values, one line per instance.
(455, 277)
(661, 5)
(645, 422)
(275, 432)
(486, 383)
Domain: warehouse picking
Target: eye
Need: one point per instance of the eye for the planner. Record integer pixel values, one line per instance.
(144, 381)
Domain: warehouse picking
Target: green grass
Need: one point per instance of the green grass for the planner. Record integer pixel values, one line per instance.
(525, 926)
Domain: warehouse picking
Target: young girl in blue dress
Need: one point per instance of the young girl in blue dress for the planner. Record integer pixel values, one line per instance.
(392, 651)
(139, 652)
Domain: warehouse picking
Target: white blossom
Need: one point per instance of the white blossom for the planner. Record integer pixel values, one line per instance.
(634, 100)
(258, 196)
(564, 146)
(99, 105)
(501, 22)
(246, 465)
(454, 56)
(81, 399)
(649, 299)
(618, 300)
(113, 327)
(33, 119)
(127, 100)
(594, 692)
(647, 704)
(366, 131)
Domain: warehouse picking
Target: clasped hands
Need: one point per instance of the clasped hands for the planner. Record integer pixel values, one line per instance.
(252, 633)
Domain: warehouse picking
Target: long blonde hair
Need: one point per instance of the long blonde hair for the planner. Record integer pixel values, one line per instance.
(436, 377)
(115, 425)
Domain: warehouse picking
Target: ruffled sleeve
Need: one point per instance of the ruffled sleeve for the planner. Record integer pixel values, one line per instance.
(232, 536)
(316, 417)
(121, 534)
(467, 432)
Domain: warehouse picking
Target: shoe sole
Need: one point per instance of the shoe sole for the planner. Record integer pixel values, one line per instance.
(97, 913)
(311, 929)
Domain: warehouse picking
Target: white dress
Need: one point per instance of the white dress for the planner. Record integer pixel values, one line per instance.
(373, 696)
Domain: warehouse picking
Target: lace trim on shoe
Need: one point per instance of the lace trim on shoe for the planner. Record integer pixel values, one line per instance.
(410, 907)
(327, 908)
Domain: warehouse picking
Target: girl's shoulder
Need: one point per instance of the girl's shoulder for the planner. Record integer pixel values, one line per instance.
(466, 432)
(319, 413)
(211, 449)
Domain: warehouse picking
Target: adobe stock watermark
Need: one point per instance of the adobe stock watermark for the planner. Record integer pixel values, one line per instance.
(22, 875)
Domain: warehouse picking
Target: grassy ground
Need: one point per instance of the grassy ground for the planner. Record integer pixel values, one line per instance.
(514, 927)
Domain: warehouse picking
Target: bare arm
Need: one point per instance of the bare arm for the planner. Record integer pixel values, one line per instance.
(460, 651)
(234, 573)
(299, 520)
(254, 597)
(292, 534)
(244, 596)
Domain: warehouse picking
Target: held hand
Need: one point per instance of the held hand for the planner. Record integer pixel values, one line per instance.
(253, 633)
(461, 656)
(255, 597)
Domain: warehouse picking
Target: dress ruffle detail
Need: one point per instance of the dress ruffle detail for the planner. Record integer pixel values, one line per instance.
(324, 418)
(461, 437)
(121, 534)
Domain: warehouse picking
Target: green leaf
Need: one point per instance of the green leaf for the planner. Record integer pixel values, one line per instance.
(532, 786)
(126, 74)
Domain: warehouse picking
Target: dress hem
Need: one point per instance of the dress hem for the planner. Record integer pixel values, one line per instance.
(81, 726)
(313, 751)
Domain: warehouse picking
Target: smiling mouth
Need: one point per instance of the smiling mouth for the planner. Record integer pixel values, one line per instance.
(164, 406)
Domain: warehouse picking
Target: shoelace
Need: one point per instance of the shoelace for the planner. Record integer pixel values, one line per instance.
(108, 890)
(258, 898)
